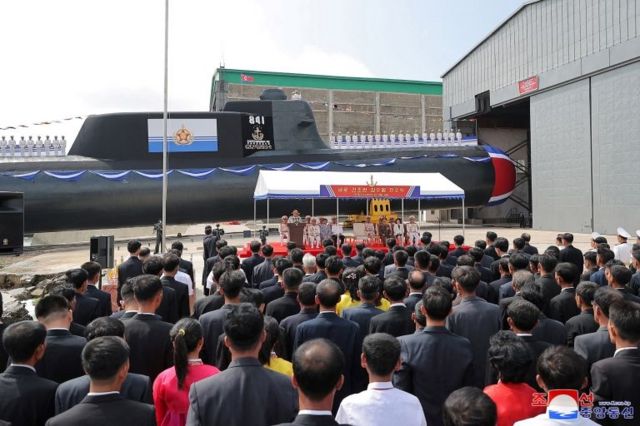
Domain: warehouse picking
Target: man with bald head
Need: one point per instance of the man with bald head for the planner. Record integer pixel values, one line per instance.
(344, 333)
(317, 375)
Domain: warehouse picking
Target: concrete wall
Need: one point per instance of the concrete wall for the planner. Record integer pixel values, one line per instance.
(359, 111)
(561, 158)
(616, 154)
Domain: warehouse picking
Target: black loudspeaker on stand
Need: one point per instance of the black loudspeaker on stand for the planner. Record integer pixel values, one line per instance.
(101, 251)
(11, 223)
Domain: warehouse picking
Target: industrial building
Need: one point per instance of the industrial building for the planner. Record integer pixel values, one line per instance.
(557, 85)
(342, 104)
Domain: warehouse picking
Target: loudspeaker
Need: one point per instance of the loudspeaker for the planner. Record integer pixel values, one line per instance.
(11, 223)
(101, 250)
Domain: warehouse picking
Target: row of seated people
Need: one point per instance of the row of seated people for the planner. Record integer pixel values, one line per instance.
(453, 330)
(317, 231)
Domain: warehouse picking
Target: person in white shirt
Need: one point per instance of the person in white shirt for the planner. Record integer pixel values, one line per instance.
(381, 404)
(622, 251)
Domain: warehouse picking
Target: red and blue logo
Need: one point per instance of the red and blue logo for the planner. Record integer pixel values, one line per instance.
(505, 175)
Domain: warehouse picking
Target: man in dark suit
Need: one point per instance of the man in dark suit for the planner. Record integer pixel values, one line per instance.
(236, 396)
(597, 345)
(185, 265)
(528, 248)
(318, 367)
(618, 277)
(252, 261)
(148, 335)
(563, 306)
(128, 302)
(617, 378)
(61, 360)
(86, 309)
(223, 250)
(168, 308)
(522, 317)
(571, 254)
(584, 322)
(359, 257)
(505, 277)
(399, 267)
(320, 274)
(397, 320)
(547, 281)
(342, 332)
(422, 263)
(474, 318)
(448, 356)
(590, 265)
(501, 247)
(135, 387)
(264, 270)
(490, 250)
(214, 300)
(416, 282)
(208, 249)
(94, 270)
(349, 262)
(287, 305)
(25, 398)
(604, 256)
(547, 329)
(458, 251)
(171, 265)
(308, 311)
(106, 360)
(368, 292)
(131, 267)
(517, 262)
(231, 283)
(519, 280)
(273, 290)
(485, 273)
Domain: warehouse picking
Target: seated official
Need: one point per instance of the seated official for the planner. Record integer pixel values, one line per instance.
(135, 387)
(171, 387)
(318, 366)
(106, 361)
(381, 404)
(25, 398)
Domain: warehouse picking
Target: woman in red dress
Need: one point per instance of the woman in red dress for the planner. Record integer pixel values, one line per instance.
(171, 387)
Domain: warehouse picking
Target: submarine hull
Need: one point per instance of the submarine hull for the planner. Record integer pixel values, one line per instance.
(79, 192)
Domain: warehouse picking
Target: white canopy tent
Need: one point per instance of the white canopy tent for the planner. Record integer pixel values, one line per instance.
(322, 185)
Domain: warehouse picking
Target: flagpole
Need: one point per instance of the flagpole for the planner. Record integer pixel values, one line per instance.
(164, 126)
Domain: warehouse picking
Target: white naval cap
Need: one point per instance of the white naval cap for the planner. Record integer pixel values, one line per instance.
(594, 235)
(623, 233)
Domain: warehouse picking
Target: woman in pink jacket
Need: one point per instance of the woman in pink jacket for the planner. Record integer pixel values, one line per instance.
(171, 387)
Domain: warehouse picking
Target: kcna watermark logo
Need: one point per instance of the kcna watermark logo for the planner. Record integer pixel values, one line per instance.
(568, 404)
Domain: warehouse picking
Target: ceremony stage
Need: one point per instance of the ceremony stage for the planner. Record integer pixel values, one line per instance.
(280, 249)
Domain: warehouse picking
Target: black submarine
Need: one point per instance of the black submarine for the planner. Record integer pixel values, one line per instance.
(112, 175)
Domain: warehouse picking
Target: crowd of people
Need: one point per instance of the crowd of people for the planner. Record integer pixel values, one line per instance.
(433, 333)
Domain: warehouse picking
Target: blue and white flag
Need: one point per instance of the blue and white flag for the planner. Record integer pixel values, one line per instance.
(184, 134)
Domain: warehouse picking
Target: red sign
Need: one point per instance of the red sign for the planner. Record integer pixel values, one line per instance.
(528, 85)
(366, 191)
(246, 78)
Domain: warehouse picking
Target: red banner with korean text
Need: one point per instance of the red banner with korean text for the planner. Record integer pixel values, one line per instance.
(369, 191)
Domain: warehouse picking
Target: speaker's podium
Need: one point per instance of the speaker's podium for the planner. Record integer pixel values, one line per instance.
(296, 233)
(11, 223)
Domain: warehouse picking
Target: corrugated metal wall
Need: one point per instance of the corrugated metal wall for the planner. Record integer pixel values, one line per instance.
(541, 37)
(561, 159)
(616, 151)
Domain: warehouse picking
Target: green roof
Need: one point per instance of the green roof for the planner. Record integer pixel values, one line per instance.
(282, 79)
